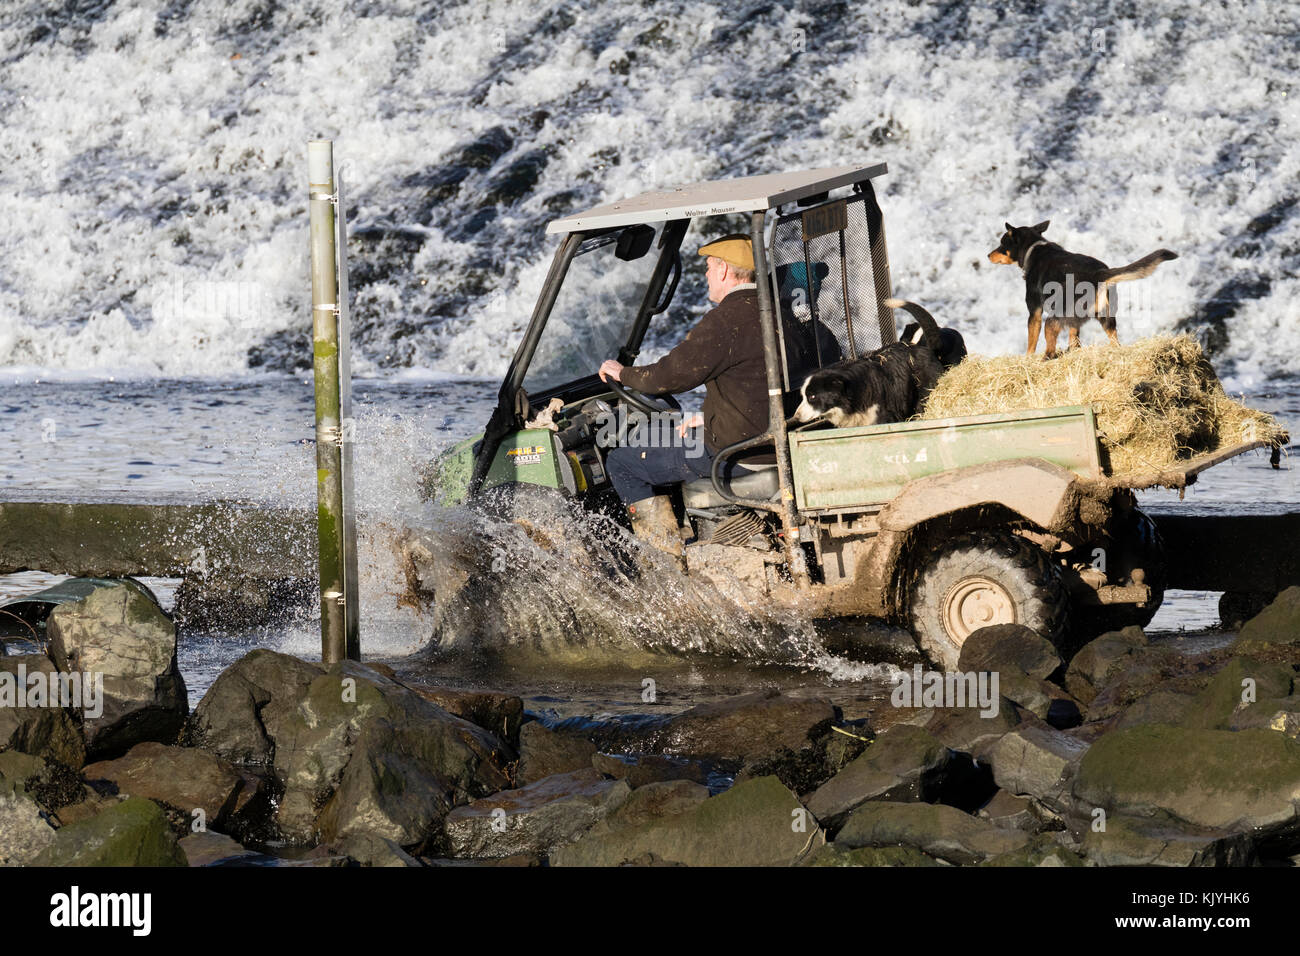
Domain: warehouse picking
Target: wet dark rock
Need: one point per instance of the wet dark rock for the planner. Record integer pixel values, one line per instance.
(538, 818)
(1039, 697)
(49, 732)
(349, 748)
(544, 753)
(935, 829)
(644, 769)
(122, 634)
(803, 771)
(904, 763)
(502, 714)
(1037, 761)
(1246, 781)
(755, 823)
(256, 691)
(1134, 841)
(1089, 668)
(966, 729)
(184, 778)
(1009, 645)
(134, 832)
(484, 151)
(745, 728)
(1143, 673)
(400, 762)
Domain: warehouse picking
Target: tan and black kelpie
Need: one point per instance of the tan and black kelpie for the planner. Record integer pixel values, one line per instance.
(1067, 287)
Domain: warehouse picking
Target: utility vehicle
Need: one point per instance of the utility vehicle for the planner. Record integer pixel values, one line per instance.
(943, 526)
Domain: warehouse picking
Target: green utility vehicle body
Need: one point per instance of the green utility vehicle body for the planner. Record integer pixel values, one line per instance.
(852, 468)
(941, 525)
(530, 456)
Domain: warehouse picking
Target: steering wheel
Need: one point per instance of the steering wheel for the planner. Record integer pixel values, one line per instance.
(651, 405)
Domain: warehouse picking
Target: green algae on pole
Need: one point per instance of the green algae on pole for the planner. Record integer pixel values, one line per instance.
(335, 529)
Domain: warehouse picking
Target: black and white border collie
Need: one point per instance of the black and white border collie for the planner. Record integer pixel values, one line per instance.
(887, 385)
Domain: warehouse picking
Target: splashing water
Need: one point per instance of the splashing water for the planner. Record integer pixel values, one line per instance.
(562, 583)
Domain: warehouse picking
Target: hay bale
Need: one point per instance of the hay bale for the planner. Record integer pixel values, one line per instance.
(1157, 402)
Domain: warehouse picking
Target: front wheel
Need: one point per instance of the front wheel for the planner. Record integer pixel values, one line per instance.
(981, 579)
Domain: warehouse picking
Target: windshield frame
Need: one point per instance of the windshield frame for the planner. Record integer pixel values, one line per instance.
(669, 246)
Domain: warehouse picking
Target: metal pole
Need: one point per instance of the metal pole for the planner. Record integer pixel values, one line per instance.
(336, 547)
(794, 555)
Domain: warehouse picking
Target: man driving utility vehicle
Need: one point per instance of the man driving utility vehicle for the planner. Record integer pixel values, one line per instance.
(724, 353)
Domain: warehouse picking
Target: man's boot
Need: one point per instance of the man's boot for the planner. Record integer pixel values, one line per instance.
(654, 522)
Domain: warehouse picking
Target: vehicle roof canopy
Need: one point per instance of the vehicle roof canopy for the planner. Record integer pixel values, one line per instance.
(717, 198)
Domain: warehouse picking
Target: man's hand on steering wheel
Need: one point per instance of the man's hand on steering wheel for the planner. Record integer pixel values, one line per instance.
(611, 373)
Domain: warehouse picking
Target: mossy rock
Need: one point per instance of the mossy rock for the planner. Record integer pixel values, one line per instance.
(1216, 779)
(133, 833)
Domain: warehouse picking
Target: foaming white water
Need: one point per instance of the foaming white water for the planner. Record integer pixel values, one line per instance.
(153, 187)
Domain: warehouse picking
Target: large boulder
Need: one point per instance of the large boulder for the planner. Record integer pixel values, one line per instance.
(377, 758)
(1003, 646)
(933, 828)
(119, 633)
(1247, 781)
(755, 823)
(184, 778)
(352, 749)
(535, 819)
(135, 832)
(259, 690)
(209, 848)
(904, 763)
(45, 731)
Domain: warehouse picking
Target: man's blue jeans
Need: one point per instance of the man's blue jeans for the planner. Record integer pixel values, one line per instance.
(634, 470)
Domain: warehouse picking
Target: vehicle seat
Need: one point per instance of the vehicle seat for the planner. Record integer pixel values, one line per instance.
(761, 482)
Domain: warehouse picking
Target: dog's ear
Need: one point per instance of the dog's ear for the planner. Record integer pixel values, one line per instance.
(1010, 228)
(1042, 226)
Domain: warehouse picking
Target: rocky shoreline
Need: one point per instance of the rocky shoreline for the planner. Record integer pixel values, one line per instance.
(1130, 753)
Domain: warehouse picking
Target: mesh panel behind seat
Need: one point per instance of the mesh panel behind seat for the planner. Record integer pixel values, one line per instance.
(830, 291)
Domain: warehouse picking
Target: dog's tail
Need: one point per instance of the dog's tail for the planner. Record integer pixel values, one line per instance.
(929, 328)
(1139, 269)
